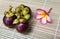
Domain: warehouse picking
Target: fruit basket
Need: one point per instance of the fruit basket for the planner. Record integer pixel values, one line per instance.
(37, 30)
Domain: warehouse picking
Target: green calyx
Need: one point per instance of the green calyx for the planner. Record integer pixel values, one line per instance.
(19, 9)
(25, 11)
(10, 8)
(16, 21)
(9, 13)
(22, 12)
(27, 16)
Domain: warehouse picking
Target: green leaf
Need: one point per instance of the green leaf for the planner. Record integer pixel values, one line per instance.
(25, 11)
(27, 16)
(15, 21)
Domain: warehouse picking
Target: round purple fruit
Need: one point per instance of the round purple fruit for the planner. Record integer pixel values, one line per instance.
(21, 27)
(9, 17)
(8, 21)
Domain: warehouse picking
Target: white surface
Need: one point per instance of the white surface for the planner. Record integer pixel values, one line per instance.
(48, 31)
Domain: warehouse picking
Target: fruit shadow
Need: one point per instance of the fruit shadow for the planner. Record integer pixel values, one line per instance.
(12, 27)
(28, 30)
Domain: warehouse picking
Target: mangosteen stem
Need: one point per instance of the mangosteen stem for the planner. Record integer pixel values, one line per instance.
(49, 10)
(10, 8)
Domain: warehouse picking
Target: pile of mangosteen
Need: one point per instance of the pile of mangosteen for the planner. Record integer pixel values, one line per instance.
(18, 18)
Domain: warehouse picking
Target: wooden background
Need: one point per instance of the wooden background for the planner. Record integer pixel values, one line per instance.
(37, 31)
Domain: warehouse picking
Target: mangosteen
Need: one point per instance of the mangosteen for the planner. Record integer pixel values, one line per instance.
(21, 27)
(9, 18)
(23, 15)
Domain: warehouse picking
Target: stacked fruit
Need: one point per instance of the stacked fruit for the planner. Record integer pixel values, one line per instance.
(18, 18)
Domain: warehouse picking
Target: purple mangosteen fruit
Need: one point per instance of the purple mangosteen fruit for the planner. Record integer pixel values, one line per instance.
(9, 18)
(21, 27)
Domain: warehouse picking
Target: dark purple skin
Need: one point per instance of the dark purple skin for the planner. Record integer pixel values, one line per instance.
(21, 27)
(9, 21)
